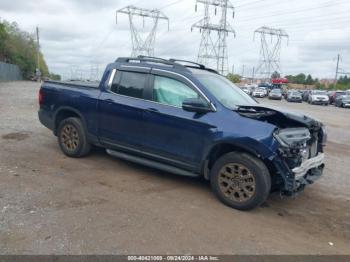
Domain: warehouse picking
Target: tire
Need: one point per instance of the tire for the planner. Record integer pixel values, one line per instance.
(257, 177)
(72, 138)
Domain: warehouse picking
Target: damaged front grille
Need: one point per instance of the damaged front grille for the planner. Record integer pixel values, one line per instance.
(297, 145)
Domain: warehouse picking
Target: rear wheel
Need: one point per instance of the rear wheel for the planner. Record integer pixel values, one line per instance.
(240, 181)
(72, 138)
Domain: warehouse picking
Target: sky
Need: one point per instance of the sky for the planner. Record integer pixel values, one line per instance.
(77, 36)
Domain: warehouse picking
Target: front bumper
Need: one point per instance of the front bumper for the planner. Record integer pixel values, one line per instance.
(294, 99)
(295, 180)
(311, 163)
(276, 97)
(320, 102)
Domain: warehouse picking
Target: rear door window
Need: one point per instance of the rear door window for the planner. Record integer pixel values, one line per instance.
(130, 84)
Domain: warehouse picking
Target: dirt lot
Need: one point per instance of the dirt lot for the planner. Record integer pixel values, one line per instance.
(50, 204)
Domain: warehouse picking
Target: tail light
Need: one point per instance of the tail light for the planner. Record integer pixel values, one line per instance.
(41, 97)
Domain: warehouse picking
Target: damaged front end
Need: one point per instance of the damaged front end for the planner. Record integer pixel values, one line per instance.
(299, 160)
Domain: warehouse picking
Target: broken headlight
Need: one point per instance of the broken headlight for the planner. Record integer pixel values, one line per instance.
(293, 137)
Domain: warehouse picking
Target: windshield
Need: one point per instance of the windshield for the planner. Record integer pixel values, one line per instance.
(320, 93)
(340, 93)
(277, 91)
(225, 91)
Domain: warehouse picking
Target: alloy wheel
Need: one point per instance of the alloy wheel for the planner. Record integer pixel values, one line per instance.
(69, 137)
(237, 182)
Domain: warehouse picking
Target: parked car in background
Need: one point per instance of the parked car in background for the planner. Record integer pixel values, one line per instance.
(305, 95)
(247, 90)
(334, 94)
(275, 94)
(259, 92)
(318, 97)
(342, 101)
(284, 93)
(188, 120)
(294, 96)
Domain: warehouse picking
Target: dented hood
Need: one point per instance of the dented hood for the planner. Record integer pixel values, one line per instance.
(278, 117)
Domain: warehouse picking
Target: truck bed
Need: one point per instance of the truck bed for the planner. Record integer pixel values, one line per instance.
(80, 84)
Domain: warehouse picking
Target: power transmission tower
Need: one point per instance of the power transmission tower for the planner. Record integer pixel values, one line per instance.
(213, 48)
(270, 50)
(142, 45)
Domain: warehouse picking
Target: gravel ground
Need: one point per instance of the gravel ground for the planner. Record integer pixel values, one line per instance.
(51, 204)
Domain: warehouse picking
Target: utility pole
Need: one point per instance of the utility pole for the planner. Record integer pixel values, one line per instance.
(38, 73)
(142, 45)
(233, 69)
(213, 50)
(270, 50)
(243, 71)
(337, 70)
(253, 74)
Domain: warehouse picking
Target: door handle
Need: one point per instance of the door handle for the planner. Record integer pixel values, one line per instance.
(152, 110)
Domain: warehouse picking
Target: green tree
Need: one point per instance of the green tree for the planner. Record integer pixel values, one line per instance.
(18, 47)
(309, 80)
(275, 75)
(234, 78)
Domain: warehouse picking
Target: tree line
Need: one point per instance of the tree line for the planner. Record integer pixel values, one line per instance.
(19, 47)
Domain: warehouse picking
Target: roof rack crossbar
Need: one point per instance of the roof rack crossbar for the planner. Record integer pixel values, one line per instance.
(176, 63)
(151, 57)
(144, 59)
(189, 62)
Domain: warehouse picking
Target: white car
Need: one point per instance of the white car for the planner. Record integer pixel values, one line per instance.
(247, 90)
(260, 92)
(318, 97)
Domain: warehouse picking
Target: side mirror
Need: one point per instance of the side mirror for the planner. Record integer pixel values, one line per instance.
(196, 105)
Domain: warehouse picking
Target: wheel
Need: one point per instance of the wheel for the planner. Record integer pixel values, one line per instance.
(72, 138)
(240, 181)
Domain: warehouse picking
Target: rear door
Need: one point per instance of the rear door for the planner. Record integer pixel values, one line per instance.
(121, 107)
(178, 136)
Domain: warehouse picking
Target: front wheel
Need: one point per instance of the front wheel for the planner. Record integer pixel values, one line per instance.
(72, 138)
(240, 181)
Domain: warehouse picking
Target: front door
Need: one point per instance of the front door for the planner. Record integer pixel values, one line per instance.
(175, 134)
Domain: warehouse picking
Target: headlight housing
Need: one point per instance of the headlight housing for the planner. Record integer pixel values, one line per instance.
(292, 137)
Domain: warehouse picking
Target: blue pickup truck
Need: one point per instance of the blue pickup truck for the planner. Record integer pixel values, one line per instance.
(181, 117)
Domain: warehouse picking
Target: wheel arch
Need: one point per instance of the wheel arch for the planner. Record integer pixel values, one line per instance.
(66, 112)
(219, 149)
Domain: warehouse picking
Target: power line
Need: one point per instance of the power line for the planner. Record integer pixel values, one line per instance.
(329, 4)
(171, 4)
